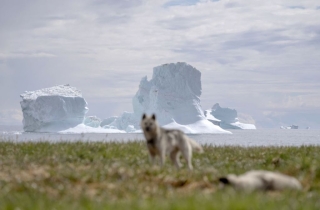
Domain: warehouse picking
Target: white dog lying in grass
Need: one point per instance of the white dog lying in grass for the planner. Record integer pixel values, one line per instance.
(261, 180)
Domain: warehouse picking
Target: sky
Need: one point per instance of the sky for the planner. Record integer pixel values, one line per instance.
(261, 58)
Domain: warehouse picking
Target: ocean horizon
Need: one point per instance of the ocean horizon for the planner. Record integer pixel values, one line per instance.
(246, 138)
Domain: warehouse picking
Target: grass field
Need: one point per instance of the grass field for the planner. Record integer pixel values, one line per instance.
(119, 176)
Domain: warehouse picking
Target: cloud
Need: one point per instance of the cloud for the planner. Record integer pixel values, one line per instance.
(25, 55)
(180, 3)
(297, 7)
(120, 4)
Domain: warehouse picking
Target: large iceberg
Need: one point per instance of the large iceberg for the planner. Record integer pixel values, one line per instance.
(173, 94)
(226, 118)
(53, 109)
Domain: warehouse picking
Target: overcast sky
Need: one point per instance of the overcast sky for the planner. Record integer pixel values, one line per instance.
(260, 57)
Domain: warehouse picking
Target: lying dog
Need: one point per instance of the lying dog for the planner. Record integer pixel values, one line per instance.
(161, 141)
(261, 180)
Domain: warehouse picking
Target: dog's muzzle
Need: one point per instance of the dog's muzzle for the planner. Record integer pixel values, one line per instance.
(147, 129)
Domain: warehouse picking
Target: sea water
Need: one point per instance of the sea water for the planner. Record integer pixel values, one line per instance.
(246, 138)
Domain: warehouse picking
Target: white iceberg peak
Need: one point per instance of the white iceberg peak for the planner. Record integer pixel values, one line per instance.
(60, 90)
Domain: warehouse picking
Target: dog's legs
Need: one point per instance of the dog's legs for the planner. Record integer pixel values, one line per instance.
(152, 158)
(162, 157)
(187, 154)
(174, 155)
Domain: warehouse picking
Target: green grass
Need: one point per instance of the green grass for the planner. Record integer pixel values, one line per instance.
(119, 176)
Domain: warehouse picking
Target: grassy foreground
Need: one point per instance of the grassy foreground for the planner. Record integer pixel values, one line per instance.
(119, 176)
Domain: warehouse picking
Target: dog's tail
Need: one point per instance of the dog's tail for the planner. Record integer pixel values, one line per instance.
(197, 147)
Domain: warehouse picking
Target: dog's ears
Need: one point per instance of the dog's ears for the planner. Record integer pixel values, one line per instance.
(224, 180)
(153, 116)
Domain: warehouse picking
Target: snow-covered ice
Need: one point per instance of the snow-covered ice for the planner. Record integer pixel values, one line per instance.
(211, 118)
(52, 109)
(290, 127)
(92, 121)
(108, 121)
(200, 126)
(173, 94)
(82, 128)
(226, 118)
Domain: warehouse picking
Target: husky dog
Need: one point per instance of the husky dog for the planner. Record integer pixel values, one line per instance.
(161, 141)
(261, 180)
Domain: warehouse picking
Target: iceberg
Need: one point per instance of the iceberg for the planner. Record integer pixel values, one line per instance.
(92, 121)
(52, 109)
(290, 127)
(82, 128)
(108, 121)
(226, 118)
(173, 94)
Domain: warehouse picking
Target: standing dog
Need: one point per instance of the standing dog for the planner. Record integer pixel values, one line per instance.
(161, 141)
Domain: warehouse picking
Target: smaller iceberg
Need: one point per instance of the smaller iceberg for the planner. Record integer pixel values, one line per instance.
(226, 118)
(290, 127)
(52, 109)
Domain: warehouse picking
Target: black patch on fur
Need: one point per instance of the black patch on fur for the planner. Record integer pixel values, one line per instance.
(153, 116)
(151, 142)
(224, 180)
(144, 116)
(268, 185)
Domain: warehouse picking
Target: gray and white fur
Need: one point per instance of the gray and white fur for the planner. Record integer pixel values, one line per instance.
(161, 141)
(260, 180)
